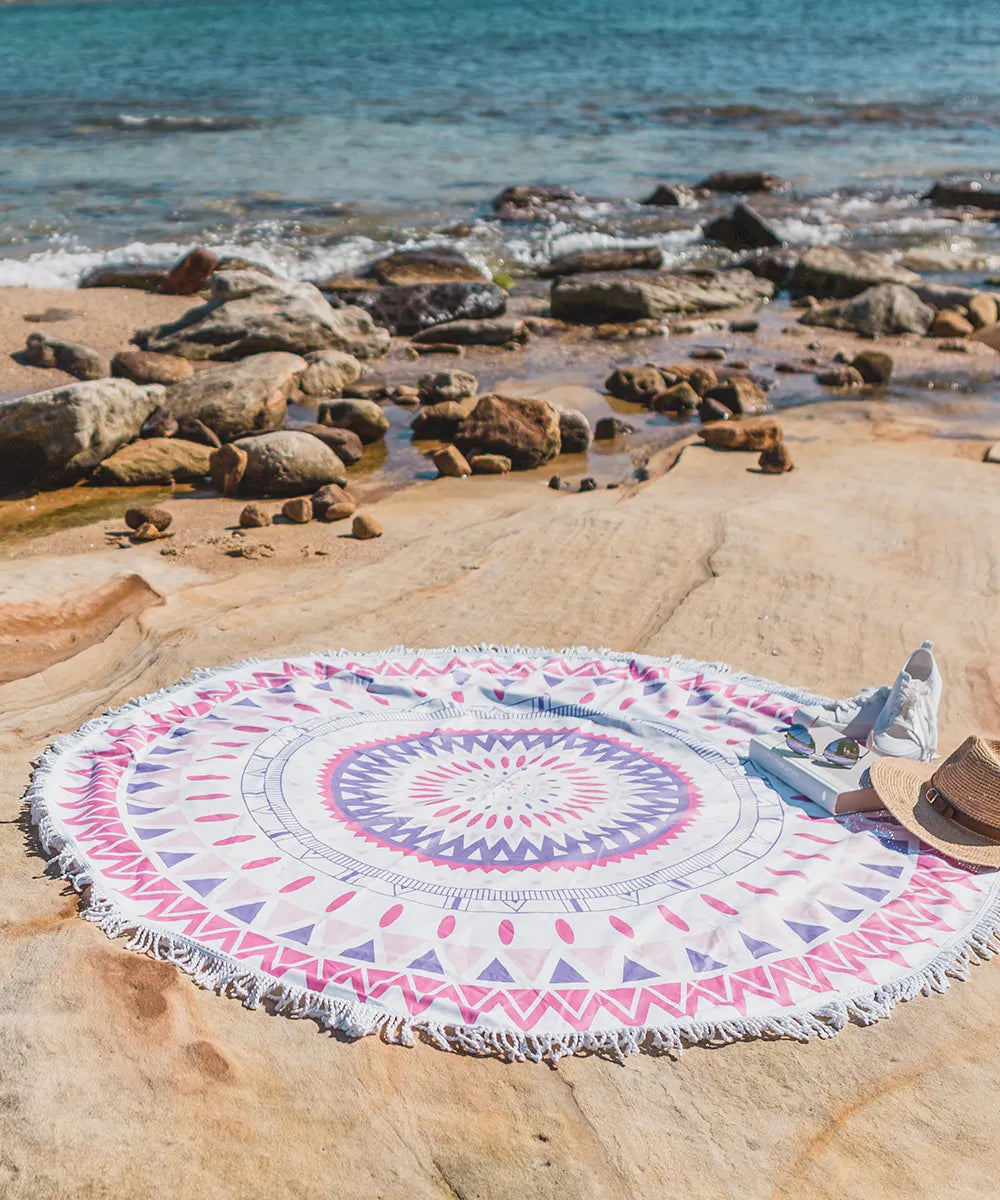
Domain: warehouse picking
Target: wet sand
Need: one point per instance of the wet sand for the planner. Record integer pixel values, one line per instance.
(884, 534)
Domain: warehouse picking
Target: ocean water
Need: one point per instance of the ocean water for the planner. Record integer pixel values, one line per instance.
(315, 133)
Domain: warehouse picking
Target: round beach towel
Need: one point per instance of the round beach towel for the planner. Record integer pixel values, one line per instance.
(526, 853)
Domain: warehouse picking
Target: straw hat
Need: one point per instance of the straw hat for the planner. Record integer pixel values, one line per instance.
(953, 805)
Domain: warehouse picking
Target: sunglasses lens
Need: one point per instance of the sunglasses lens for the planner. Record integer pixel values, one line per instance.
(799, 740)
(844, 752)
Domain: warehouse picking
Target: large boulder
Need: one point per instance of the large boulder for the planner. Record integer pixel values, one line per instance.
(443, 386)
(435, 264)
(43, 350)
(57, 436)
(830, 273)
(285, 463)
(638, 295)
(525, 431)
(363, 417)
(964, 195)
(252, 313)
(743, 229)
(740, 182)
(880, 311)
(155, 460)
(493, 331)
(615, 258)
(245, 397)
(406, 310)
(329, 372)
(345, 443)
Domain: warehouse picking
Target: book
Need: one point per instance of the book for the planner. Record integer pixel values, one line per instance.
(835, 789)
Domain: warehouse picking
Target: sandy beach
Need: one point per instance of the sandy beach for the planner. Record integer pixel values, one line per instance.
(122, 1078)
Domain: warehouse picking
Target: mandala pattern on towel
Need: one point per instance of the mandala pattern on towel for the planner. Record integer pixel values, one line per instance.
(545, 846)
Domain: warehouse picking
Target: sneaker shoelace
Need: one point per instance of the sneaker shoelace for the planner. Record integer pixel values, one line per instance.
(912, 718)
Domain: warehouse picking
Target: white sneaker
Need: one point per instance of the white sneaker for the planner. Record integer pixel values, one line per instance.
(854, 718)
(907, 725)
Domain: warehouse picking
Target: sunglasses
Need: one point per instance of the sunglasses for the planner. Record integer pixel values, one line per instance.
(843, 752)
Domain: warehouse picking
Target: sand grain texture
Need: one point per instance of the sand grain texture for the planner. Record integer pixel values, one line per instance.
(119, 1078)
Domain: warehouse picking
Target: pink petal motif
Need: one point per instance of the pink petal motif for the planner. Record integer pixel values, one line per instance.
(505, 931)
(565, 932)
(390, 915)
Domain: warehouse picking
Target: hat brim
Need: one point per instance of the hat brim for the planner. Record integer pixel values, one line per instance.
(901, 785)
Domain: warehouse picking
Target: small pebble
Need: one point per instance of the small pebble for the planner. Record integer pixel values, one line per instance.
(254, 517)
(775, 460)
(555, 483)
(135, 518)
(365, 527)
(588, 485)
(709, 353)
(299, 510)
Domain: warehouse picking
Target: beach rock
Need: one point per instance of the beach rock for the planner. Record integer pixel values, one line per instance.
(743, 229)
(963, 195)
(776, 265)
(332, 503)
(950, 324)
(252, 313)
(681, 398)
(410, 309)
(190, 274)
(447, 386)
(363, 417)
(344, 443)
(618, 258)
(197, 431)
(983, 310)
(840, 377)
(709, 354)
(286, 463)
(703, 379)
(739, 182)
(145, 514)
(710, 410)
(533, 202)
(254, 517)
(740, 395)
(635, 295)
(41, 350)
(366, 527)
(238, 398)
(438, 264)
(451, 462)
(946, 295)
(143, 366)
(880, 311)
(489, 464)
(755, 434)
(154, 460)
(609, 428)
(575, 434)
(525, 431)
(298, 510)
(328, 373)
(57, 436)
(830, 273)
(496, 331)
(439, 422)
(149, 533)
(555, 483)
(138, 278)
(990, 336)
(992, 453)
(666, 195)
(775, 460)
(874, 366)
(636, 384)
(227, 465)
(588, 484)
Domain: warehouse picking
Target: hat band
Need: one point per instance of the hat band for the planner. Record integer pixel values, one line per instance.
(940, 802)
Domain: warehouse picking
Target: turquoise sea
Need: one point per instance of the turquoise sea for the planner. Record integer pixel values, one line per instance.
(316, 132)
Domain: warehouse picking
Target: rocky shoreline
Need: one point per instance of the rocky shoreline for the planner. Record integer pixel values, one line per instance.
(273, 388)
